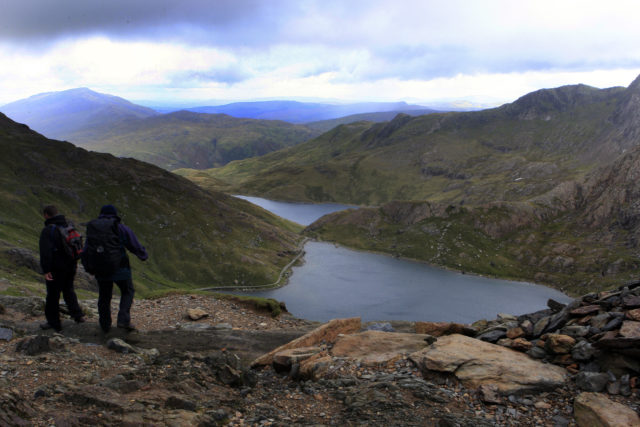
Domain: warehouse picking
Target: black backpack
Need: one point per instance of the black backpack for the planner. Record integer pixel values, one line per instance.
(103, 253)
(71, 238)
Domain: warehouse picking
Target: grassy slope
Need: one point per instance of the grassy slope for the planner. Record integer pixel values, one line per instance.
(507, 153)
(195, 238)
(185, 139)
(507, 241)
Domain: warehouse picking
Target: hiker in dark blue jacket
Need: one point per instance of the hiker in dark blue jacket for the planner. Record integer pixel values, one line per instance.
(121, 277)
(59, 270)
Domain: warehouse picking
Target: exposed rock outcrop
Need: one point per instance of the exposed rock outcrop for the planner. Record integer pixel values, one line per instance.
(476, 363)
(596, 410)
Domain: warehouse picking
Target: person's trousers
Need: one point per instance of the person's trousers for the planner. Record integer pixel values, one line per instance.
(62, 283)
(105, 290)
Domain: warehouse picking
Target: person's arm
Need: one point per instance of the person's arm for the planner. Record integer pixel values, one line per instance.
(46, 253)
(132, 243)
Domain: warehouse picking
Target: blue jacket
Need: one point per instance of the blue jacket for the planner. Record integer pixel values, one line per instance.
(130, 242)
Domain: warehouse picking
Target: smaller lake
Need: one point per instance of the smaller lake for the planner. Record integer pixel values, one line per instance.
(302, 213)
(336, 282)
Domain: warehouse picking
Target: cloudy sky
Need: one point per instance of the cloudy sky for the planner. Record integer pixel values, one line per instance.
(423, 51)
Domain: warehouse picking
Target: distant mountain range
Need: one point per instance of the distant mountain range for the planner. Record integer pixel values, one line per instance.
(305, 112)
(60, 114)
(195, 238)
(200, 138)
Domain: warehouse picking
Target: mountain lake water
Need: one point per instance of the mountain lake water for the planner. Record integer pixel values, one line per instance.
(336, 282)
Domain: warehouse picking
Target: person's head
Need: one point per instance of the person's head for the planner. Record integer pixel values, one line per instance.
(108, 210)
(49, 211)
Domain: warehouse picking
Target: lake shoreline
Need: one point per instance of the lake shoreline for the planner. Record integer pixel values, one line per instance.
(441, 267)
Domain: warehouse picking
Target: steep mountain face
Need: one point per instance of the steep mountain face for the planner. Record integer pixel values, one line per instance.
(581, 236)
(512, 153)
(59, 114)
(194, 237)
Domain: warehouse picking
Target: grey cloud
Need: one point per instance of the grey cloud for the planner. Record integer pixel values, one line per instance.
(221, 20)
(229, 75)
(429, 62)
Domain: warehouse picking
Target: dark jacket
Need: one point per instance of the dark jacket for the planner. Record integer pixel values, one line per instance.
(53, 257)
(130, 242)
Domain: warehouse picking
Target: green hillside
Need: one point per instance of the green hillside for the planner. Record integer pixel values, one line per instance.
(510, 153)
(194, 140)
(195, 238)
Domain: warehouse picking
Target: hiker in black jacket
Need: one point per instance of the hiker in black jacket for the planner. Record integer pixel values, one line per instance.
(59, 271)
(122, 274)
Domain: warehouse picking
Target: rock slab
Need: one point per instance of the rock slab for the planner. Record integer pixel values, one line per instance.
(328, 333)
(377, 347)
(597, 410)
(475, 363)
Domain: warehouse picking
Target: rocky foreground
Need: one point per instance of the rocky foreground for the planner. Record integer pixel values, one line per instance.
(197, 360)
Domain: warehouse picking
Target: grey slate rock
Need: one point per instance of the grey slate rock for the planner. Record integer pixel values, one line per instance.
(614, 323)
(34, 345)
(600, 320)
(537, 352)
(540, 326)
(583, 351)
(555, 305)
(176, 402)
(6, 334)
(382, 326)
(591, 381)
(492, 336)
(575, 331)
(590, 367)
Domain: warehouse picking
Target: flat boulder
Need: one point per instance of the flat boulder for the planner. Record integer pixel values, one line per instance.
(475, 363)
(585, 310)
(326, 333)
(378, 347)
(597, 410)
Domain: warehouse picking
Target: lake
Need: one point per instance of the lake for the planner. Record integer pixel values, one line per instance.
(302, 213)
(336, 282)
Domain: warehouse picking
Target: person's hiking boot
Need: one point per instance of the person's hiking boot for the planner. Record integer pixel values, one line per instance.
(80, 319)
(126, 326)
(47, 325)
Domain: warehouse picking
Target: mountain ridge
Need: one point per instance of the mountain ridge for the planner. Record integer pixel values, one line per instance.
(512, 152)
